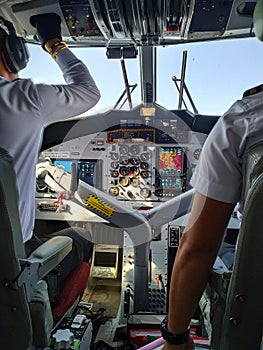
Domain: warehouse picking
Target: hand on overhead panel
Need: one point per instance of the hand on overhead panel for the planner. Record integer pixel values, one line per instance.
(47, 27)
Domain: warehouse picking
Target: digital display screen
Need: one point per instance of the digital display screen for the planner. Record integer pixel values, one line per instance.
(128, 134)
(167, 183)
(86, 168)
(170, 161)
(171, 172)
(106, 259)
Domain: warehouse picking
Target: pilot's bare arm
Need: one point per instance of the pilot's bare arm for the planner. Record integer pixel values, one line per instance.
(194, 260)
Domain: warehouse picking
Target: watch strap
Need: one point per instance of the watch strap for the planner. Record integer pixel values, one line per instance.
(173, 339)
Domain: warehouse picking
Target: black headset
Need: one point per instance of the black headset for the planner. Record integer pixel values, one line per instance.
(15, 51)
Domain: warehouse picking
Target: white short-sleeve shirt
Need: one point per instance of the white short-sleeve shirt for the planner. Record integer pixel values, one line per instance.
(220, 170)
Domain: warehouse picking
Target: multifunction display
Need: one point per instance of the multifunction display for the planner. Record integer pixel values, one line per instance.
(170, 177)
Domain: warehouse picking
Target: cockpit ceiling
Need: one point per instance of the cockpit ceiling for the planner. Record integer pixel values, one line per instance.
(132, 23)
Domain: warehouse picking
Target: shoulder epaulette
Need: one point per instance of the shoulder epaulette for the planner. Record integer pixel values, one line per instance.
(253, 90)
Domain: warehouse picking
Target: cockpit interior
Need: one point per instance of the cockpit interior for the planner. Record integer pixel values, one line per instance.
(130, 171)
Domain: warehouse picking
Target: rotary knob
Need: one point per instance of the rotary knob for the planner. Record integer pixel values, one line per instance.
(62, 339)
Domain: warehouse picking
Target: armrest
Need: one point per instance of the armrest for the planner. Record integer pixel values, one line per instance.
(42, 260)
(50, 254)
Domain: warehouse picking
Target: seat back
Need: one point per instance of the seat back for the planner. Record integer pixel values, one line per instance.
(71, 290)
(243, 319)
(15, 320)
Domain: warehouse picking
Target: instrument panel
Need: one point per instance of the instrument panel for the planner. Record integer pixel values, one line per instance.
(140, 171)
(132, 164)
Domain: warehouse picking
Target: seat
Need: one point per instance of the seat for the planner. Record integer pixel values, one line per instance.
(243, 319)
(236, 312)
(26, 317)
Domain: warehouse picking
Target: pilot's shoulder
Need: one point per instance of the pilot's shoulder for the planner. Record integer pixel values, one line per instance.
(253, 90)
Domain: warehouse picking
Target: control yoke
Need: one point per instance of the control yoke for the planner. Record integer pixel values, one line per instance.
(139, 225)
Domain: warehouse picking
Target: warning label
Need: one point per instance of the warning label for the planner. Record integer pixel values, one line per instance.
(99, 206)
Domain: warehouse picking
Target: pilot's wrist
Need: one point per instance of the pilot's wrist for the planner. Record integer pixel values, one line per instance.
(174, 338)
(50, 43)
(54, 46)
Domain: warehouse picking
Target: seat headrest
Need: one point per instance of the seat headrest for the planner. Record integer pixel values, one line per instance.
(258, 20)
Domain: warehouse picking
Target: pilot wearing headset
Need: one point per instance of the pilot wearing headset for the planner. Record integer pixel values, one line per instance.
(26, 108)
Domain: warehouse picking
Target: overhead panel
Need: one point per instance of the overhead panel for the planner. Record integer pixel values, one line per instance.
(122, 23)
(79, 18)
(132, 18)
(240, 17)
(115, 16)
(210, 16)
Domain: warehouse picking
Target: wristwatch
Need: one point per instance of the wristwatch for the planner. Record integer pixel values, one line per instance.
(173, 339)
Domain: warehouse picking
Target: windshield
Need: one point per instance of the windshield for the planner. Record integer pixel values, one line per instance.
(217, 73)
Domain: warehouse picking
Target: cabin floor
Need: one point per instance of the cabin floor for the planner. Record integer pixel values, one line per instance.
(101, 302)
(103, 296)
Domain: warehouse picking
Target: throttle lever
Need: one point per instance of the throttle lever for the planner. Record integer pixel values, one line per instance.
(74, 178)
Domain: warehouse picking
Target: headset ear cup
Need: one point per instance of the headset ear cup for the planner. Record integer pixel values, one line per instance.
(15, 52)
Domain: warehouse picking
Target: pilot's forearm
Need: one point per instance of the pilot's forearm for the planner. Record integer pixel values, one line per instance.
(189, 277)
(198, 249)
(62, 101)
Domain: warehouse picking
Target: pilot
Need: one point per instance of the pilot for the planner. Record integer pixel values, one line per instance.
(218, 187)
(26, 108)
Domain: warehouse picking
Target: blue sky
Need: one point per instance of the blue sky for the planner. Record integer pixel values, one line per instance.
(217, 73)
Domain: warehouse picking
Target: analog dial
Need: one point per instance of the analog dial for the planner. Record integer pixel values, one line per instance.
(134, 161)
(124, 170)
(145, 156)
(145, 174)
(114, 165)
(134, 170)
(124, 181)
(114, 173)
(134, 181)
(114, 156)
(134, 149)
(145, 192)
(144, 165)
(124, 160)
(114, 191)
(124, 149)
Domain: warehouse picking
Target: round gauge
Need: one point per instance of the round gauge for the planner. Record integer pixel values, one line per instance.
(145, 156)
(134, 161)
(114, 191)
(145, 174)
(134, 181)
(124, 170)
(144, 165)
(114, 173)
(124, 160)
(124, 181)
(114, 165)
(114, 156)
(134, 170)
(145, 192)
(197, 153)
(134, 149)
(124, 149)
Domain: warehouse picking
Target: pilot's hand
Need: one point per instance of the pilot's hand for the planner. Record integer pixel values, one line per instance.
(47, 26)
(186, 346)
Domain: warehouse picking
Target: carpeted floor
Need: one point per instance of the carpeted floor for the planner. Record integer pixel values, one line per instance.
(107, 297)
